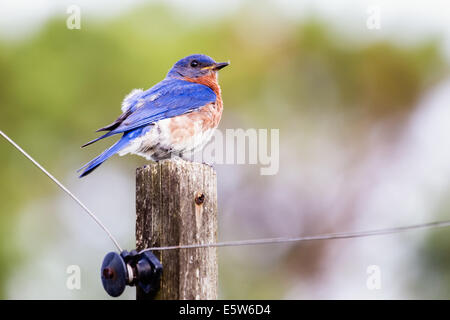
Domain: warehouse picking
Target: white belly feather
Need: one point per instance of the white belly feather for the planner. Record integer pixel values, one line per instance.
(158, 143)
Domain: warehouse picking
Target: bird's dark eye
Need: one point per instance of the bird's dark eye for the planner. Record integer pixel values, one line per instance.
(194, 63)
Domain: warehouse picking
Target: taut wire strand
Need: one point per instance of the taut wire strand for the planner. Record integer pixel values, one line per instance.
(328, 236)
(64, 189)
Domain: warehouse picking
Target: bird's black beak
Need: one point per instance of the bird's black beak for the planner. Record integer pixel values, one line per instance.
(220, 65)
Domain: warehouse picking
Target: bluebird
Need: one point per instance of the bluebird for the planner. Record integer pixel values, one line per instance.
(175, 117)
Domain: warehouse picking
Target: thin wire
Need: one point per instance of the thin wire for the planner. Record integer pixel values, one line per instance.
(328, 236)
(64, 189)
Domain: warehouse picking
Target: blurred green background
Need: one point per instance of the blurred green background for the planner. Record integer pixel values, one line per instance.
(364, 130)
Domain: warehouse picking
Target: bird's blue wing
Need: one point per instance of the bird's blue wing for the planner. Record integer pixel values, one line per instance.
(167, 99)
(175, 98)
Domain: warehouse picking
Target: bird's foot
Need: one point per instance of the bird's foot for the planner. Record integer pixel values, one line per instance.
(208, 163)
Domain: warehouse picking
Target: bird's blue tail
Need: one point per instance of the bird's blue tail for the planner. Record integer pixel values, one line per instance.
(94, 163)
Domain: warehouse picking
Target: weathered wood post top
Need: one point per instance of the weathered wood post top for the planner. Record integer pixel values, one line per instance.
(176, 204)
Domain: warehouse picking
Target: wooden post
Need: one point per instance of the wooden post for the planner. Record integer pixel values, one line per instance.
(176, 203)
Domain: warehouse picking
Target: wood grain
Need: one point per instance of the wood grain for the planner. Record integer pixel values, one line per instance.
(176, 203)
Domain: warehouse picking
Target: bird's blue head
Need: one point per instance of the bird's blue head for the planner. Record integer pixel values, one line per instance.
(195, 66)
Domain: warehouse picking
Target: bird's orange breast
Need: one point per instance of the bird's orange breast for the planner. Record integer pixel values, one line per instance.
(210, 80)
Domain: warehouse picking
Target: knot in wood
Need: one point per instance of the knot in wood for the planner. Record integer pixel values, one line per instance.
(199, 198)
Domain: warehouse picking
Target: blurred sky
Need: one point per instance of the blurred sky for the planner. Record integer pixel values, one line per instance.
(404, 19)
